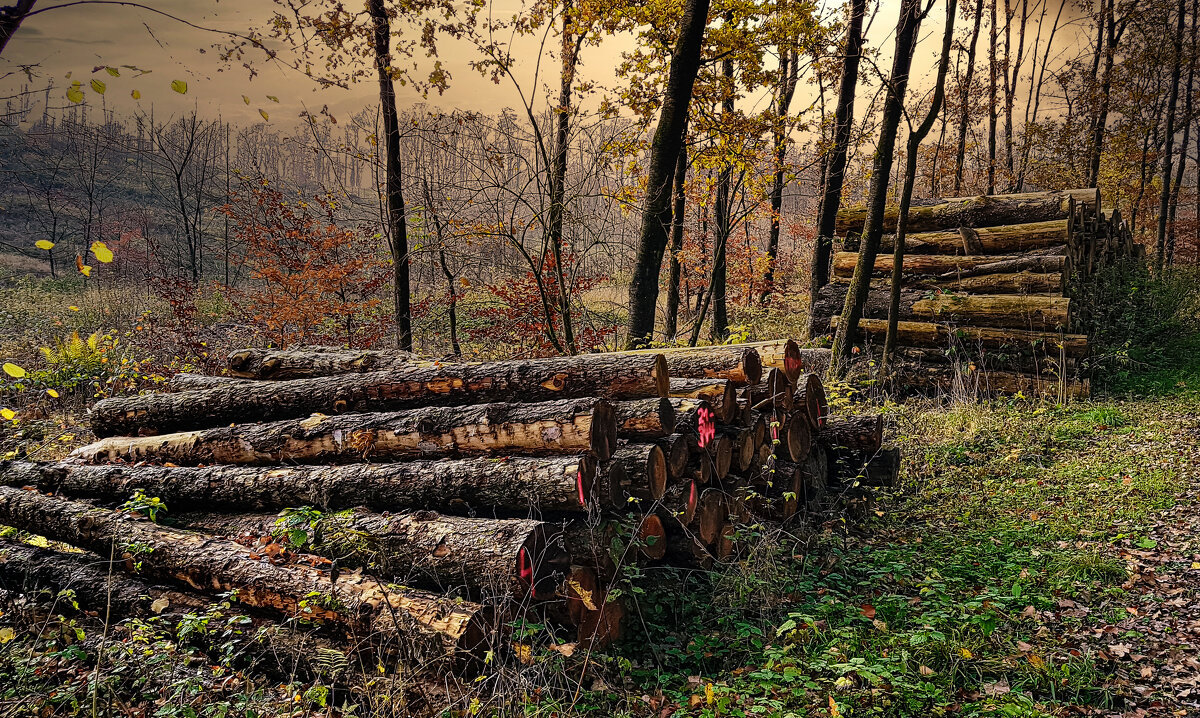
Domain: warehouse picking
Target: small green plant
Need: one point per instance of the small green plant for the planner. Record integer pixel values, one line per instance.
(150, 506)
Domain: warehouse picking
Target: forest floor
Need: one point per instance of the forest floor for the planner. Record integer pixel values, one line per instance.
(1037, 560)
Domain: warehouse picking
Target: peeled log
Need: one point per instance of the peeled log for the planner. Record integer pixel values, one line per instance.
(941, 336)
(514, 484)
(1031, 312)
(644, 419)
(859, 433)
(948, 267)
(487, 557)
(982, 211)
(539, 380)
(810, 400)
(429, 626)
(305, 364)
(720, 394)
(741, 365)
(553, 427)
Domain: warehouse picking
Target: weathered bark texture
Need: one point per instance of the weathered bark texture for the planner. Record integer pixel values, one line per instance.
(644, 419)
(512, 485)
(860, 433)
(555, 427)
(721, 395)
(739, 364)
(192, 382)
(633, 377)
(949, 267)
(975, 212)
(942, 336)
(776, 354)
(1007, 239)
(431, 627)
(1032, 312)
(313, 362)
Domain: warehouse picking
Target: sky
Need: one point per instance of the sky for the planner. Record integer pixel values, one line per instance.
(75, 40)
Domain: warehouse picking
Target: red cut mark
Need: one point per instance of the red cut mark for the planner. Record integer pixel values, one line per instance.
(692, 496)
(524, 568)
(707, 430)
(579, 486)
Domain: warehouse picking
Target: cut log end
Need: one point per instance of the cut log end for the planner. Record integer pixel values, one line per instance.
(711, 514)
(797, 436)
(813, 400)
(752, 365)
(661, 376)
(793, 361)
(585, 480)
(602, 627)
(603, 433)
(651, 537)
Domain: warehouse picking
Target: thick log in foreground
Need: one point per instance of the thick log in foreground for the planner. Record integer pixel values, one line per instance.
(976, 212)
(1013, 311)
(644, 419)
(645, 470)
(191, 382)
(675, 448)
(721, 395)
(429, 626)
(739, 364)
(946, 267)
(537, 380)
(489, 558)
(554, 427)
(863, 433)
(305, 364)
(942, 336)
(512, 485)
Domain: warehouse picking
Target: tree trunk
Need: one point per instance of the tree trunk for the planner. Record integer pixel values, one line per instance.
(664, 154)
(719, 393)
(836, 171)
(675, 448)
(10, 20)
(429, 626)
(739, 363)
(1002, 239)
(611, 375)
(993, 71)
(1169, 140)
(644, 419)
(974, 212)
(555, 427)
(1183, 148)
(893, 107)
(192, 382)
(723, 214)
(951, 267)
(312, 362)
(789, 64)
(396, 227)
(671, 325)
(964, 104)
(513, 485)
(1009, 283)
(1101, 121)
(942, 336)
(636, 471)
(1032, 312)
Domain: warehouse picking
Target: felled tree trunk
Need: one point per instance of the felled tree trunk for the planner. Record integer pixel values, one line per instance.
(554, 427)
(941, 336)
(489, 558)
(744, 450)
(1001, 382)
(645, 472)
(305, 364)
(1036, 263)
(679, 502)
(644, 419)
(858, 433)
(982, 211)
(1004, 239)
(796, 437)
(430, 626)
(191, 382)
(811, 402)
(675, 448)
(784, 354)
(720, 394)
(741, 365)
(947, 267)
(609, 545)
(1031, 312)
(445, 385)
(514, 485)
(775, 393)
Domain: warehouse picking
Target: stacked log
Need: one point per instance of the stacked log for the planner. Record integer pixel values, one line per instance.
(987, 287)
(426, 504)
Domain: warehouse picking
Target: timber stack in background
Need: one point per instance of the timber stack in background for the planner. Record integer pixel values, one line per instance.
(990, 289)
(412, 509)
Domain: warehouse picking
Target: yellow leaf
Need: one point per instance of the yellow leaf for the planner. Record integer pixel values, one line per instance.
(102, 252)
(73, 308)
(965, 653)
(6, 635)
(113, 71)
(179, 86)
(8, 414)
(833, 708)
(75, 94)
(86, 269)
(246, 99)
(13, 370)
(1196, 565)
(264, 114)
(1036, 661)
(708, 694)
(53, 394)
(136, 95)
(44, 244)
(98, 87)
(272, 98)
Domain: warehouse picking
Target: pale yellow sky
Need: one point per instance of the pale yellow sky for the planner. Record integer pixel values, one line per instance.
(74, 40)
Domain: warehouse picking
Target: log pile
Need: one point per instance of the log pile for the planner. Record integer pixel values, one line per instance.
(414, 508)
(987, 296)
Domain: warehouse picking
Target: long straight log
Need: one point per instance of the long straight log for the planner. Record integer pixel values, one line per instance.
(1000, 382)
(513, 485)
(949, 267)
(982, 211)
(305, 364)
(941, 336)
(554, 427)
(190, 382)
(739, 364)
(490, 558)
(537, 380)
(720, 394)
(781, 354)
(644, 419)
(1031, 312)
(1015, 283)
(862, 433)
(430, 626)
(1004, 239)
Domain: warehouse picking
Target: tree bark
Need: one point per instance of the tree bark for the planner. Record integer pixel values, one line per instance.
(429, 626)
(644, 419)
(644, 473)
(993, 71)
(309, 363)
(1015, 311)
(740, 364)
(964, 104)
(555, 427)
(859, 433)
(1169, 140)
(974, 212)
(679, 204)
(843, 122)
(513, 485)
(789, 67)
(942, 336)
(449, 384)
(1009, 283)
(1003, 239)
(951, 267)
(664, 154)
(719, 393)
